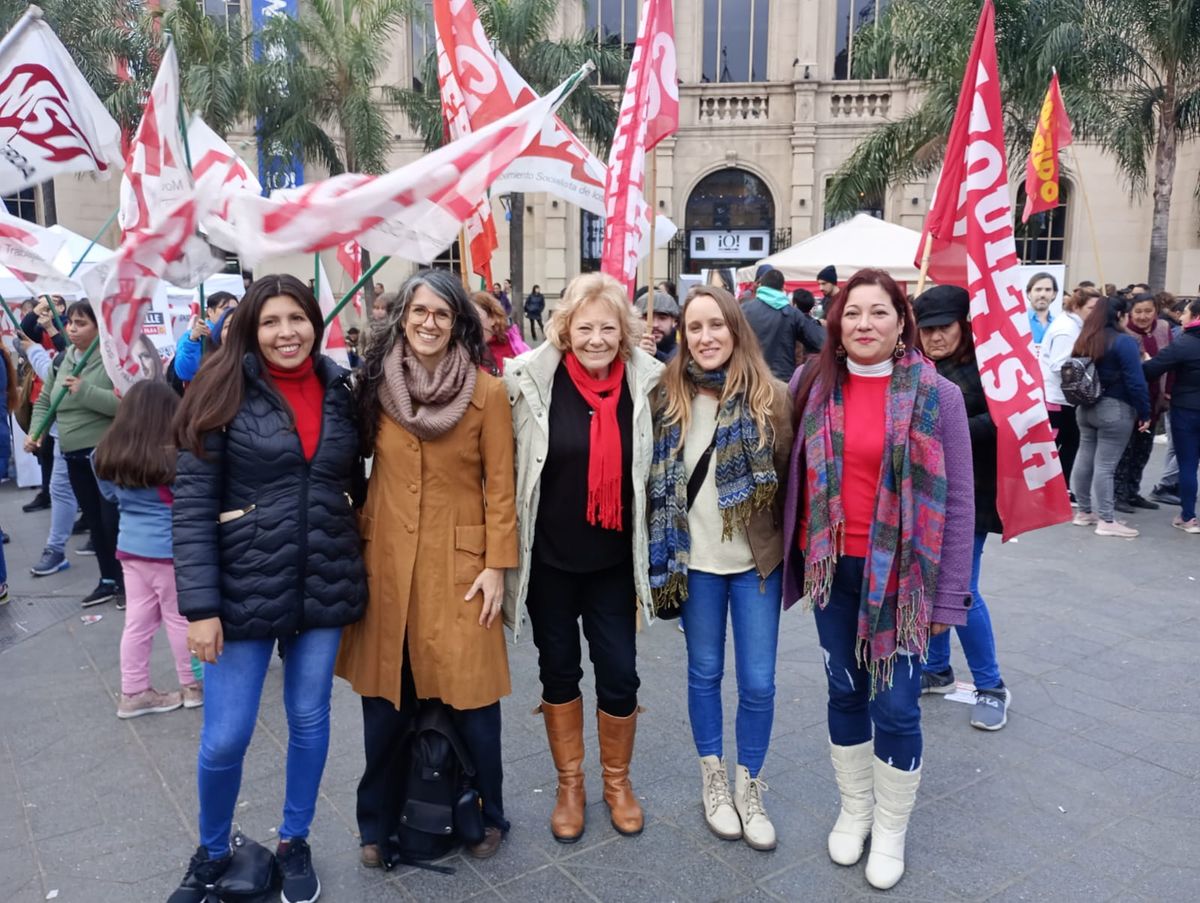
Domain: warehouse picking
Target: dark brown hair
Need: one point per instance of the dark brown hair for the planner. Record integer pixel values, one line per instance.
(132, 453)
(1100, 328)
(829, 367)
(215, 396)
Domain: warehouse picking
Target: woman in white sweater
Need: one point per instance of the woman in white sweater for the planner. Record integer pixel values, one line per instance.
(1056, 348)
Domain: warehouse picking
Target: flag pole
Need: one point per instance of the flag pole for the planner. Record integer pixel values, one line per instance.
(349, 296)
(1087, 207)
(653, 190)
(317, 274)
(95, 240)
(62, 391)
(8, 310)
(462, 260)
(925, 255)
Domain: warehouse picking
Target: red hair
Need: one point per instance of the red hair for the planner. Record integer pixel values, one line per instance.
(830, 368)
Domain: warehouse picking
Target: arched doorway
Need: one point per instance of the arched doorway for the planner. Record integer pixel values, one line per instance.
(730, 219)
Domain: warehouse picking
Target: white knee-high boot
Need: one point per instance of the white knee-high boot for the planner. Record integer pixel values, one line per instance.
(895, 796)
(856, 781)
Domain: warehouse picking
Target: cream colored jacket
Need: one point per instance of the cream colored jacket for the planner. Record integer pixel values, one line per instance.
(529, 380)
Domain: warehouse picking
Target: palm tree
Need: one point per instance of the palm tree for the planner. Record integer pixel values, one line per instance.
(522, 31)
(213, 54)
(1148, 52)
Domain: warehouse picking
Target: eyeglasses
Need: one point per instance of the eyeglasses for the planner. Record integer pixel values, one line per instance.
(442, 317)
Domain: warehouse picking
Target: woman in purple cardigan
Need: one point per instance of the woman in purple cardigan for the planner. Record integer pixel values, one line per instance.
(878, 539)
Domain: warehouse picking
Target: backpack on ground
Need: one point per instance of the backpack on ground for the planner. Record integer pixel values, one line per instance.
(440, 808)
(1080, 381)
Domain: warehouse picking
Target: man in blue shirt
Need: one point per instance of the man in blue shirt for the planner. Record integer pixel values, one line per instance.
(1040, 292)
(192, 344)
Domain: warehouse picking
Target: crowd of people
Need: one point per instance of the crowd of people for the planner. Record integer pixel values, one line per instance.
(715, 461)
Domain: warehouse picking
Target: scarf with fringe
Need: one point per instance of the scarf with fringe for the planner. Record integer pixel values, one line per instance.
(746, 480)
(906, 530)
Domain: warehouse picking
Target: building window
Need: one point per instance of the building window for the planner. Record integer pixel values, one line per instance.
(450, 259)
(591, 241)
(867, 203)
(424, 43)
(23, 204)
(612, 22)
(852, 17)
(223, 9)
(735, 40)
(1042, 240)
(729, 219)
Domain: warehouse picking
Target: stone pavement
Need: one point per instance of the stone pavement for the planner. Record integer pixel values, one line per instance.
(1091, 792)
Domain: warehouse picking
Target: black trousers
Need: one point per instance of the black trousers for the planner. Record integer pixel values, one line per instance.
(535, 322)
(381, 785)
(46, 460)
(1127, 483)
(606, 604)
(99, 514)
(1066, 438)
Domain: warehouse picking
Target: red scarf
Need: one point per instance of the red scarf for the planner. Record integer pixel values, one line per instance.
(604, 454)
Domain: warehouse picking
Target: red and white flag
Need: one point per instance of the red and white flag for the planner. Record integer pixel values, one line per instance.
(449, 25)
(971, 227)
(334, 341)
(1052, 134)
(212, 158)
(157, 178)
(51, 121)
(649, 113)
(28, 251)
(414, 212)
(122, 287)
(349, 256)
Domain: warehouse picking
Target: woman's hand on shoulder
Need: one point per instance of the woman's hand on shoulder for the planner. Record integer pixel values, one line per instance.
(490, 582)
(206, 639)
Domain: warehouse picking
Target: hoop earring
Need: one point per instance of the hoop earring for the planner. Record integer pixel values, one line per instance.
(840, 354)
(898, 354)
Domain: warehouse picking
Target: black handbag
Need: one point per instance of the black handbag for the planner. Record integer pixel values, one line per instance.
(695, 481)
(252, 871)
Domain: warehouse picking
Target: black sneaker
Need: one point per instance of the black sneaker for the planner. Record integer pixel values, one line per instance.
(300, 883)
(940, 682)
(1124, 507)
(105, 591)
(41, 502)
(200, 880)
(80, 527)
(1138, 502)
(1168, 495)
(86, 549)
(119, 599)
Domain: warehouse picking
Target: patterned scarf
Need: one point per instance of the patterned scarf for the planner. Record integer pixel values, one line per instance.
(745, 475)
(910, 512)
(427, 404)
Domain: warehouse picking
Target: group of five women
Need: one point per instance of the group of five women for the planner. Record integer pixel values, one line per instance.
(590, 487)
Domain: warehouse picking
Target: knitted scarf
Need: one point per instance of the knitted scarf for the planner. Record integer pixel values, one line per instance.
(745, 476)
(906, 531)
(427, 404)
(604, 449)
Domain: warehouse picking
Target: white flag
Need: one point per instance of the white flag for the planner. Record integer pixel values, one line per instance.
(213, 158)
(334, 343)
(413, 212)
(51, 121)
(28, 251)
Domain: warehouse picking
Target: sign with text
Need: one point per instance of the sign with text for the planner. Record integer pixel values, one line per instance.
(715, 244)
(279, 166)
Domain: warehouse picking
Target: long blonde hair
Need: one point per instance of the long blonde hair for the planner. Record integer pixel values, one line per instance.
(747, 373)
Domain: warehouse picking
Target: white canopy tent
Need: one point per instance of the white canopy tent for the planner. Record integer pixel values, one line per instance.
(862, 241)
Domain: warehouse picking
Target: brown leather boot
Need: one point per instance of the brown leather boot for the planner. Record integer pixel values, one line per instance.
(616, 749)
(564, 730)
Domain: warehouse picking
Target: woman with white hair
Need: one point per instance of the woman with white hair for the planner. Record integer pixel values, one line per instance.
(585, 436)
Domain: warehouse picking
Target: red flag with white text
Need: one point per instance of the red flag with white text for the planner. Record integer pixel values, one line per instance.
(649, 113)
(449, 25)
(1052, 134)
(334, 342)
(971, 225)
(349, 255)
(51, 121)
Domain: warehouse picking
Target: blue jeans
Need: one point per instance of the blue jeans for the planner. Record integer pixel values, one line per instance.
(1185, 433)
(895, 712)
(62, 503)
(978, 643)
(753, 605)
(232, 690)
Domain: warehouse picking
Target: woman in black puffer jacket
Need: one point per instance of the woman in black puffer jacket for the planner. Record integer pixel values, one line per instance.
(266, 550)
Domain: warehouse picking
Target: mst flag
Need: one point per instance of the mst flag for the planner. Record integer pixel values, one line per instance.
(649, 113)
(970, 223)
(51, 121)
(28, 251)
(413, 212)
(349, 257)
(1052, 134)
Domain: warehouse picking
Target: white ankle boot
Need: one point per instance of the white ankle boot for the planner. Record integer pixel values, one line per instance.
(895, 796)
(722, 818)
(856, 781)
(757, 829)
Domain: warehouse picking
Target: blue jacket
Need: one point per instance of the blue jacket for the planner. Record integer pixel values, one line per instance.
(145, 528)
(1120, 372)
(188, 354)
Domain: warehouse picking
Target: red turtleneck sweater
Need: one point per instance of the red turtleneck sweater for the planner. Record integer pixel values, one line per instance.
(304, 393)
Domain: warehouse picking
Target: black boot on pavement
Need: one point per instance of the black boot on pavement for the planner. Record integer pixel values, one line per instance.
(199, 884)
(41, 502)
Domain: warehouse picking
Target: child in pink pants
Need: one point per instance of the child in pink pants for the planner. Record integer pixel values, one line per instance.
(135, 469)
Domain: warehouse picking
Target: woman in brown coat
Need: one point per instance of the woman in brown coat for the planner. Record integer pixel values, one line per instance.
(439, 530)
